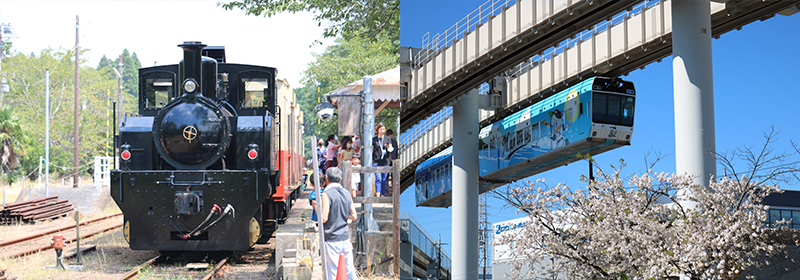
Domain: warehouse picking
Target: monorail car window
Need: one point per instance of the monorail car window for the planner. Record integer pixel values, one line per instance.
(627, 111)
(253, 87)
(600, 107)
(159, 89)
(612, 109)
(535, 132)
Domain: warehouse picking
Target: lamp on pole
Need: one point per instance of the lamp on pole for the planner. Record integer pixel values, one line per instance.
(119, 92)
(6, 32)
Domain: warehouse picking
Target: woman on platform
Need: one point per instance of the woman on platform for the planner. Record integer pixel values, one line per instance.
(347, 151)
(381, 148)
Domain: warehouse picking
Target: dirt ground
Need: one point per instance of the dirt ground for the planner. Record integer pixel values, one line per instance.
(111, 260)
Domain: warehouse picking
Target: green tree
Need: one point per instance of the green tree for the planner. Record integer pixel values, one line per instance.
(365, 18)
(6, 47)
(26, 78)
(347, 61)
(130, 78)
(12, 135)
(368, 38)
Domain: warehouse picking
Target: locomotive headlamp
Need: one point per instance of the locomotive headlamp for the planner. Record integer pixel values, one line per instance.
(125, 153)
(252, 151)
(190, 85)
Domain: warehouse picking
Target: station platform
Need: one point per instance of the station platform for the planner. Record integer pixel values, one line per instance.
(297, 240)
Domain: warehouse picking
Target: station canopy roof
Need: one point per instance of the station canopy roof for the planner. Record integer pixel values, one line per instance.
(385, 89)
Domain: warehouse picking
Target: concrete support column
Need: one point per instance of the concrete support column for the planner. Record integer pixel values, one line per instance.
(694, 89)
(367, 132)
(465, 187)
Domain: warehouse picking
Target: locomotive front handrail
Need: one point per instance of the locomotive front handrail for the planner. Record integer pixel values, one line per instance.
(189, 183)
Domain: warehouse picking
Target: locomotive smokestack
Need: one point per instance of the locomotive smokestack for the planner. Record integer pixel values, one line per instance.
(192, 59)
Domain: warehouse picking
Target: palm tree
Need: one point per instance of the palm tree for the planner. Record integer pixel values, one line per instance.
(11, 135)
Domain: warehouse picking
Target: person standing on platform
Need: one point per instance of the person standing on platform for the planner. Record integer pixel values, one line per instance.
(337, 209)
(392, 156)
(321, 151)
(347, 151)
(393, 153)
(333, 149)
(381, 149)
(356, 178)
(357, 146)
(312, 197)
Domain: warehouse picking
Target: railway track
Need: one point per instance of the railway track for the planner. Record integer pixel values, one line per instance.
(133, 273)
(29, 249)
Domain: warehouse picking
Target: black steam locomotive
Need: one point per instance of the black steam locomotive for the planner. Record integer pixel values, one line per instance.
(203, 166)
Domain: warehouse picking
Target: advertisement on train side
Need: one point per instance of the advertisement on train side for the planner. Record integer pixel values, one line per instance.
(555, 122)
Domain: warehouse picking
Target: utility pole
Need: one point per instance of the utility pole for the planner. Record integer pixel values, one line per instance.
(108, 120)
(439, 244)
(119, 92)
(6, 32)
(47, 134)
(2, 30)
(76, 112)
(483, 236)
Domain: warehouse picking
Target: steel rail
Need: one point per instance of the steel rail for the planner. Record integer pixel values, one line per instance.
(48, 247)
(38, 235)
(210, 274)
(135, 270)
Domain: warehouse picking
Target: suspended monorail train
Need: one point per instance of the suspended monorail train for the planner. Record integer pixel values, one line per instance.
(589, 118)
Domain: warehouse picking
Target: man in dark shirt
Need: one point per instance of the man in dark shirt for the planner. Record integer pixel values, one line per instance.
(337, 208)
(393, 153)
(392, 157)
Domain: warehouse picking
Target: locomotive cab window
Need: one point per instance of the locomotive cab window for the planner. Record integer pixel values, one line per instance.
(613, 109)
(159, 89)
(254, 87)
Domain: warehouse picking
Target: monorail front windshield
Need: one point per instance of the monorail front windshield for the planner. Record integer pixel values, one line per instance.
(612, 108)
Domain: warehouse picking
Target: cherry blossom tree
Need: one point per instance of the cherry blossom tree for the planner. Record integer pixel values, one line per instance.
(639, 228)
(653, 225)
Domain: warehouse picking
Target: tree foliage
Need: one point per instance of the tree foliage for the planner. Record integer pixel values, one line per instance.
(764, 166)
(368, 38)
(365, 18)
(651, 226)
(26, 78)
(12, 136)
(130, 77)
(345, 62)
(5, 47)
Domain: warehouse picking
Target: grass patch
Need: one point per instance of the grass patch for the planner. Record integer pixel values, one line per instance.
(111, 260)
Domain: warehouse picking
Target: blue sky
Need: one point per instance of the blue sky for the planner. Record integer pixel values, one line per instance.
(756, 71)
(105, 30)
